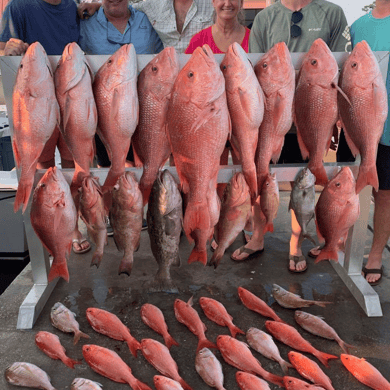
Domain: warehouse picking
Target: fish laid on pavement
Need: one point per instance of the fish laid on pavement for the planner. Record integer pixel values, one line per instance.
(237, 354)
(337, 210)
(53, 217)
(153, 317)
(315, 106)
(51, 345)
(364, 115)
(276, 75)
(319, 327)
(246, 107)
(365, 372)
(73, 82)
(235, 212)
(198, 125)
(164, 383)
(63, 319)
(209, 368)
(217, 313)
(292, 383)
(150, 141)
(310, 370)
(302, 200)
(269, 200)
(293, 301)
(126, 214)
(165, 218)
(254, 303)
(158, 356)
(109, 364)
(85, 384)
(115, 91)
(28, 375)
(248, 381)
(263, 343)
(93, 214)
(187, 315)
(110, 325)
(35, 115)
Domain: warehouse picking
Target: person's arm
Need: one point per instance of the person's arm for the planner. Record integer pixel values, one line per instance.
(256, 44)
(14, 47)
(340, 31)
(85, 10)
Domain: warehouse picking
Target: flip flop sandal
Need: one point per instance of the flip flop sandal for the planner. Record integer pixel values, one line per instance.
(251, 253)
(79, 252)
(245, 233)
(311, 254)
(367, 271)
(296, 260)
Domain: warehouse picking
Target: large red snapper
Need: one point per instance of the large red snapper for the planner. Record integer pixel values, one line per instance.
(53, 217)
(73, 81)
(276, 76)
(198, 126)
(115, 90)
(337, 210)
(364, 115)
(35, 116)
(315, 106)
(246, 107)
(150, 141)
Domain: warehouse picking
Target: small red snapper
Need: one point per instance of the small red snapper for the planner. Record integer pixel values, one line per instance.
(269, 201)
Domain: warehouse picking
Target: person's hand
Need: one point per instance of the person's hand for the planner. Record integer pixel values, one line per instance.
(85, 10)
(15, 47)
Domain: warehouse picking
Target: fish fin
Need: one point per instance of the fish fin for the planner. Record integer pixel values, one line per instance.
(162, 282)
(198, 255)
(345, 347)
(277, 151)
(58, 269)
(367, 176)
(327, 254)
(96, 259)
(184, 385)
(22, 196)
(126, 264)
(342, 93)
(137, 161)
(321, 303)
(133, 345)
(208, 113)
(136, 384)
(279, 109)
(78, 335)
(77, 77)
(285, 366)
(60, 204)
(204, 343)
(170, 341)
(217, 256)
(234, 330)
(70, 362)
(16, 153)
(302, 146)
(196, 216)
(354, 150)
(275, 379)
(118, 246)
(191, 301)
(269, 227)
(319, 172)
(324, 357)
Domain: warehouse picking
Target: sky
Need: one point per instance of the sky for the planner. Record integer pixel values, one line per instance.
(352, 8)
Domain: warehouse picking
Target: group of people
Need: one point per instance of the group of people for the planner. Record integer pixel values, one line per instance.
(101, 28)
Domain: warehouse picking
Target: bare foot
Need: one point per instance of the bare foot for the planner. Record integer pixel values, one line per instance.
(250, 248)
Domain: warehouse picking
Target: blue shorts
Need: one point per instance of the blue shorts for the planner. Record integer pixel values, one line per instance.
(383, 166)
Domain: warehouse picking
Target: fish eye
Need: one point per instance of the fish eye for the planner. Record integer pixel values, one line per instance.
(354, 64)
(338, 184)
(21, 65)
(190, 74)
(154, 69)
(109, 61)
(224, 67)
(265, 65)
(314, 62)
(43, 185)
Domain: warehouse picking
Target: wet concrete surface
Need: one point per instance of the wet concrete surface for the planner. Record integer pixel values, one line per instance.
(124, 296)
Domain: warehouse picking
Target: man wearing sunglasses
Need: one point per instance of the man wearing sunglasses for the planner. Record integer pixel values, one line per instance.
(298, 23)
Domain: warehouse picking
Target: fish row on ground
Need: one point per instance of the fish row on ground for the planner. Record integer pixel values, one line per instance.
(236, 353)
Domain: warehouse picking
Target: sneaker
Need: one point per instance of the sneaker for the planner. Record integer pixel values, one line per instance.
(110, 231)
(144, 224)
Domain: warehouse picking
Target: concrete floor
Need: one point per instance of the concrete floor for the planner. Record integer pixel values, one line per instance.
(124, 296)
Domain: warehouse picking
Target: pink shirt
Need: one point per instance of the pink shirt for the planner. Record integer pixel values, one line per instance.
(206, 37)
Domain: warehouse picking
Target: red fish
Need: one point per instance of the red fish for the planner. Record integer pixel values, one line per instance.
(150, 141)
(50, 344)
(254, 303)
(248, 381)
(110, 325)
(290, 336)
(237, 354)
(276, 76)
(109, 364)
(364, 114)
(316, 97)
(164, 383)
(188, 316)
(159, 357)
(337, 210)
(292, 383)
(53, 217)
(216, 312)
(153, 317)
(35, 116)
(364, 372)
(269, 201)
(198, 125)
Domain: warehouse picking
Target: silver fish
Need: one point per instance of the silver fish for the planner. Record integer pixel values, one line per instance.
(209, 368)
(28, 375)
(63, 319)
(85, 384)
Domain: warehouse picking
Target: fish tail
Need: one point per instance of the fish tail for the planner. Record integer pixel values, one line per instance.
(217, 256)
(146, 194)
(204, 343)
(310, 238)
(345, 347)
(184, 384)
(278, 319)
(23, 195)
(78, 335)
(234, 330)
(196, 217)
(269, 227)
(162, 282)
(136, 384)
(251, 179)
(319, 172)
(367, 176)
(133, 345)
(285, 366)
(170, 341)
(198, 255)
(70, 362)
(324, 357)
(96, 259)
(275, 379)
(321, 303)
(327, 254)
(111, 179)
(59, 268)
(126, 265)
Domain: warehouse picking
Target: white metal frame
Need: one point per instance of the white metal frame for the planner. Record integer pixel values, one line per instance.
(350, 263)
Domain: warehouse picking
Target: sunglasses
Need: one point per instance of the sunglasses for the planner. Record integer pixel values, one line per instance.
(295, 30)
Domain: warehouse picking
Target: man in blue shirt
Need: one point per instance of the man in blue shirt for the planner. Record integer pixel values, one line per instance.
(374, 28)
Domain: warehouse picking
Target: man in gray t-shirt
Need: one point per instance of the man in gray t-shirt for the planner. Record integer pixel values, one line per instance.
(316, 19)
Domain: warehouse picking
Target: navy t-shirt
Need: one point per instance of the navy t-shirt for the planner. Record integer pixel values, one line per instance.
(54, 26)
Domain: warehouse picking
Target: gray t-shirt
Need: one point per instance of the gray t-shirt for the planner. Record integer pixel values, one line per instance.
(321, 19)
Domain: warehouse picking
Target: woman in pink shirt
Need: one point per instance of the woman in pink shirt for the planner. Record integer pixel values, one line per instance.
(226, 29)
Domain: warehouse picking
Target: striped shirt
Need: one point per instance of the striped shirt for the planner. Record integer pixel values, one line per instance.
(161, 15)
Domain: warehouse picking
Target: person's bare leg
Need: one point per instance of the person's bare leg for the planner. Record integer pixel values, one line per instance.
(381, 232)
(296, 244)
